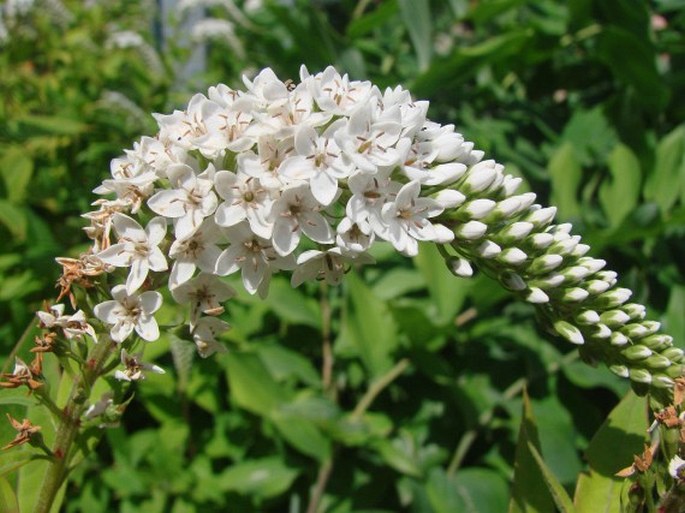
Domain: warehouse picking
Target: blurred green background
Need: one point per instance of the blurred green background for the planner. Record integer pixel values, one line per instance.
(583, 99)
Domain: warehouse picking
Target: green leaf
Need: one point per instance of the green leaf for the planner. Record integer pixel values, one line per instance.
(473, 490)
(251, 384)
(263, 478)
(416, 15)
(14, 219)
(674, 320)
(448, 292)
(370, 327)
(53, 124)
(620, 437)
(561, 498)
(619, 194)
(528, 494)
(373, 20)
(292, 305)
(664, 183)
(565, 174)
(8, 500)
(302, 434)
(284, 363)
(16, 168)
(633, 61)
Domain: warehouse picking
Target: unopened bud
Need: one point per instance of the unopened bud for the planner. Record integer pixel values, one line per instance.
(575, 273)
(581, 250)
(459, 267)
(512, 281)
(618, 339)
(512, 256)
(549, 282)
(480, 177)
(587, 317)
(620, 370)
(612, 298)
(657, 342)
(449, 198)
(476, 209)
(675, 354)
(640, 376)
(540, 240)
(636, 311)
(545, 263)
(514, 232)
(471, 231)
(614, 318)
(565, 247)
(594, 265)
(657, 361)
(537, 296)
(569, 332)
(661, 381)
(541, 217)
(601, 331)
(574, 295)
(596, 287)
(638, 352)
(488, 249)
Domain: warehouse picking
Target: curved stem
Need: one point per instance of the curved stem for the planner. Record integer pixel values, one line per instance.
(377, 387)
(69, 424)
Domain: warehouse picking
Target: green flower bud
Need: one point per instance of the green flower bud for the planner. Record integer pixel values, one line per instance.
(618, 339)
(657, 361)
(587, 318)
(545, 263)
(614, 318)
(635, 353)
(640, 376)
(574, 295)
(620, 370)
(569, 332)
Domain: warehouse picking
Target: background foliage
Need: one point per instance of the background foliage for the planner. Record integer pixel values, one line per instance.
(425, 403)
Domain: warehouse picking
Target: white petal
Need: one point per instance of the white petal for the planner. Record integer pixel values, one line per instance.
(181, 272)
(117, 255)
(128, 228)
(147, 328)
(324, 188)
(315, 226)
(156, 260)
(285, 238)
(156, 230)
(229, 215)
(137, 275)
(150, 301)
(121, 331)
(108, 312)
(170, 203)
(227, 262)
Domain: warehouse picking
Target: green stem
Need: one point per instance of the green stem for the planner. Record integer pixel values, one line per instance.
(377, 387)
(69, 424)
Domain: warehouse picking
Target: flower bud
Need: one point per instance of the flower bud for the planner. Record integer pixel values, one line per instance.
(548, 282)
(459, 267)
(541, 217)
(661, 381)
(601, 331)
(540, 240)
(640, 376)
(612, 298)
(657, 342)
(537, 296)
(607, 276)
(620, 370)
(575, 273)
(636, 311)
(514, 232)
(637, 352)
(574, 295)
(564, 247)
(480, 177)
(580, 250)
(587, 317)
(675, 354)
(449, 198)
(592, 264)
(657, 361)
(488, 249)
(618, 339)
(471, 231)
(596, 287)
(512, 281)
(569, 332)
(476, 209)
(545, 263)
(512, 256)
(614, 318)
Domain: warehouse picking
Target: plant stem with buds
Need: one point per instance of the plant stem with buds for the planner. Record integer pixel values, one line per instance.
(69, 424)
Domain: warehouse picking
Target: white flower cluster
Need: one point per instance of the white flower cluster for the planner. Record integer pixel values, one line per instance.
(277, 177)
(306, 178)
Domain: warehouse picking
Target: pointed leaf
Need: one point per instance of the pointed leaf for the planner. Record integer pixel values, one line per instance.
(620, 193)
(416, 15)
(612, 448)
(665, 181)
(8, 500)
(528, 492)
(251, 384)
(566, 174)
(561, 498)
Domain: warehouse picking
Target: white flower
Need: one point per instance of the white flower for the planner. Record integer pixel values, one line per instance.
(294, 213)
(204, 335)
(407, 220)
(134, 367)
(254, 256)
(328, 265)
(205, 293)
(334, 93)
(136, 248)
(128, 312)
(189, 202)
(244, 199)
(318, 161)
(198, 250)
(354, 237)
(370, 143)
(676, 468)
(369, 194)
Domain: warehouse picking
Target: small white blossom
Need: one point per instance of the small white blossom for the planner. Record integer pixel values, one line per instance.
(128, 312)
(134, 367)
(206, 330)
(137, 248)
(205, 293)
(328, 265)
